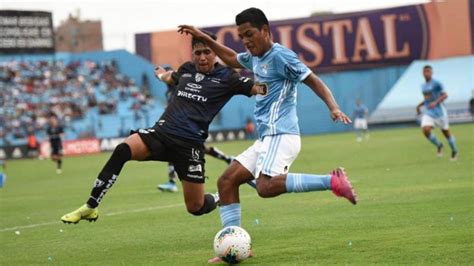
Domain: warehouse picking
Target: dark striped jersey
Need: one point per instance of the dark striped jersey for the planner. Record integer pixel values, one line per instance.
(198, 98)
(54, 133)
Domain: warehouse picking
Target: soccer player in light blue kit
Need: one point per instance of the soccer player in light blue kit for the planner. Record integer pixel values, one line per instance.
(269, 159)
(360, 121)
(434, 112)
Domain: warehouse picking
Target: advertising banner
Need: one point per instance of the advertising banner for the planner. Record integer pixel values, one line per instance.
(26, 32)
(73, 147)
(338, 42)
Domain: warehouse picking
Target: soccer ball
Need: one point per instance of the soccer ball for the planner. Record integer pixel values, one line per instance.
(232, 244)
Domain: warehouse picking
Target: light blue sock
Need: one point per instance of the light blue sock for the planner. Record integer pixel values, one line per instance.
(306, 182)
(230, 215)
(452, 143)
(434, 140)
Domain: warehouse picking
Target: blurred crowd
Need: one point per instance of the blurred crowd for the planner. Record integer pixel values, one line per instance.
(31, 91)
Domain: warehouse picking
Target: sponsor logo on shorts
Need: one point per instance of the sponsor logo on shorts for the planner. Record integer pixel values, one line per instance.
(195, 154)
(195, 168)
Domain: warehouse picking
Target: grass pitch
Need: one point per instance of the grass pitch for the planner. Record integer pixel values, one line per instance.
(414, 208)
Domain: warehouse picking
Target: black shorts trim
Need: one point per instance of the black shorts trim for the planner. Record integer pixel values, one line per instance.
(56, 149)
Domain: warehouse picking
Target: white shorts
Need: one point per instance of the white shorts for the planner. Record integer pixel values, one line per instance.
(360, 123)
(441, 122)
(272, 156)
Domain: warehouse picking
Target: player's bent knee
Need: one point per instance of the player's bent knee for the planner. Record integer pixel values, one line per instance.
(208, 206)
(264, 193)
(193, 208)
(225, 182)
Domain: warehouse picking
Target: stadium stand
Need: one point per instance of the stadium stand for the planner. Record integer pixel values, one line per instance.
(388, 92)
(92, 98)
(369, 85)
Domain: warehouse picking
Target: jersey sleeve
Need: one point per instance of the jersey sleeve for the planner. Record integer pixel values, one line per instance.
(245, 59)
(439, 87)
(239, 84)
(60, 130)
(290, 67)
(184, 68)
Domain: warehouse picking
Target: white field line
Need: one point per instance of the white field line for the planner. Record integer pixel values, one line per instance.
(107, 214)
(26, 226)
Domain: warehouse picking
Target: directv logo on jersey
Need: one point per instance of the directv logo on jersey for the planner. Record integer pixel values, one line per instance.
(192, 96)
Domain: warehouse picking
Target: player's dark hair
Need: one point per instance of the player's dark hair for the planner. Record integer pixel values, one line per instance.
(427, 67)
(254, 16)
(195, 41)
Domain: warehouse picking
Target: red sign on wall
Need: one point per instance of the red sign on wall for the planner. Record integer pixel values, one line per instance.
(73, 147)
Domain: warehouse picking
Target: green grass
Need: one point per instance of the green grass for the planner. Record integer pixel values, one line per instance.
(414, 208)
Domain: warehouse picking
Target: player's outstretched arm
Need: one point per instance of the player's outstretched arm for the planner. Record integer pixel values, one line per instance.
(418, 108)
(323, 92)
(246, 85)
(226, 54)
(164, 75)
(440, 99)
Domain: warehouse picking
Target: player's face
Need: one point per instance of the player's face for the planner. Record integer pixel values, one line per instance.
(204, 58)
(256, 41)
(53, 121)
(427, 73)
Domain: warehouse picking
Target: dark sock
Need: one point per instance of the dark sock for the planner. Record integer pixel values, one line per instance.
(214, 152)
(109, 173)
(59, 163)
(208, 206)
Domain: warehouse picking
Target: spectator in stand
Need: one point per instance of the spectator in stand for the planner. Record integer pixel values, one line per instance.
(30, 90)
(250, 129)
(33, 146)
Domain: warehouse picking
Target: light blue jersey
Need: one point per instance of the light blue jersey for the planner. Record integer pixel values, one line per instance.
(360, 111)
(432, 90)
(282, 71)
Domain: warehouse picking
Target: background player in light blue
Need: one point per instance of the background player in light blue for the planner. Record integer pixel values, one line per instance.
(268, 160)
(361, 114)
(434, 112)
